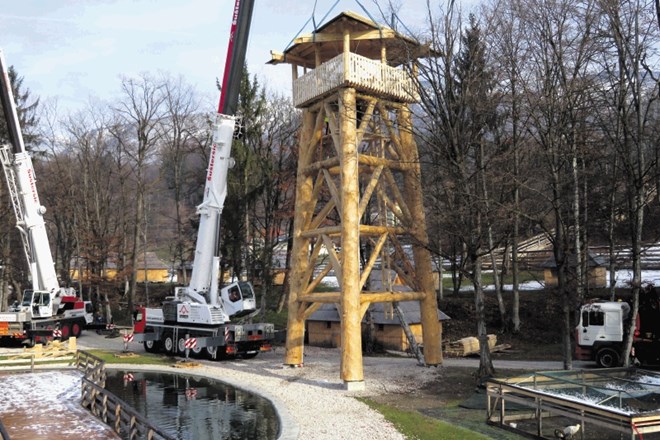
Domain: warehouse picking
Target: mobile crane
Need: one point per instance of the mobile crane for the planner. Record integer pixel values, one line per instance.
(201, 311)
(46, 306)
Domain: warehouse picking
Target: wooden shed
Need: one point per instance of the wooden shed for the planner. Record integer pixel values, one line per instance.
(154, 271)
(596, 267)
(323, 327)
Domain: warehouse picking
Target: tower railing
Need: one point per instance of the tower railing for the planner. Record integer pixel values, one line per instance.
(362, 73)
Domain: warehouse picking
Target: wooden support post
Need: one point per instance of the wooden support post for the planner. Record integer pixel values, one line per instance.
(431, 328)
(299, 253)
(351, 332)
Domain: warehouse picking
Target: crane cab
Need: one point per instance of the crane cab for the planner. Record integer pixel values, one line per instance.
(38, 303)
(238, 299)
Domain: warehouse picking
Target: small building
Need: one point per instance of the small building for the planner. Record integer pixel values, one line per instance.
(596, 270)
(154, 271)
(324, 326)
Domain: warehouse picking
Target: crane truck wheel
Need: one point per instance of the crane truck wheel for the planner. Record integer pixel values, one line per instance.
(197, 352)
(210, 352)
(181, 345)
(151, 346)
(607, 357)
(66, 332)
(76, 329)
(169, 344)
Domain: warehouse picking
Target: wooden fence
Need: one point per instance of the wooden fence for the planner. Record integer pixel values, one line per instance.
(113, 411)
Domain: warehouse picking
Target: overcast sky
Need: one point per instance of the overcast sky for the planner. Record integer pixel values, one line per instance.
(74, 49)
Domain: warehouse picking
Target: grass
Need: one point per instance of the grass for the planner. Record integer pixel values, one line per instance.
(414, 425)
(487, 279)
(138, 359)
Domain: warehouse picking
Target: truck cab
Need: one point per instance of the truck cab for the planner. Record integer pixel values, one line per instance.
(601, 331)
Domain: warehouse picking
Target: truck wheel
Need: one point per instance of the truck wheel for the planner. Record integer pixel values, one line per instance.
(168, 344)
(197, 352)
(151, 346)
(211, 352)
(607, 357)
(66, 332)
(29, 342)
(181, 346)
(76, 329)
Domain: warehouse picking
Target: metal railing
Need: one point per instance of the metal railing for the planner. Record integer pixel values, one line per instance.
(113, 411)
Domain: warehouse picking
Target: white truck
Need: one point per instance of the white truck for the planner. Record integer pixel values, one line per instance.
(46, 307)
(601, 332)
(198, 317)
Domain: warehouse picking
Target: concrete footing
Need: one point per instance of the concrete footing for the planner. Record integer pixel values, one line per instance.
(358, 385)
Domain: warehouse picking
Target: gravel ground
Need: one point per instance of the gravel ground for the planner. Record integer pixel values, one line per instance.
(312, 401)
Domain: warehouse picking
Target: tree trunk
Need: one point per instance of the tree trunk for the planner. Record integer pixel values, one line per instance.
(486, 369)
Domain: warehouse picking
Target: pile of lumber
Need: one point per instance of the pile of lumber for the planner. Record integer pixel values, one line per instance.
(470, 345)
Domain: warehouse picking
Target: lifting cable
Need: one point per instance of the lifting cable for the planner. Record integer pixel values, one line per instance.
(313, 20)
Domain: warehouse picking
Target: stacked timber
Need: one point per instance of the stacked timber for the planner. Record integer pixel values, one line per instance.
(467, 346)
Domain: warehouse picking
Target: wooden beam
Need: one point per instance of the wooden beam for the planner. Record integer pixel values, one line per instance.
(321, 297)
(368, 191)
(311, 265)
(327, 37)
(333, 190)
(334, 259)
(391, 296)
(319, 279)
(311, 308)
(366, 230)
(323, 214)
(400, 200)
(372, 260)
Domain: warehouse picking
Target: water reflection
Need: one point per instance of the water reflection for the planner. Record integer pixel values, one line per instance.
(190, 407)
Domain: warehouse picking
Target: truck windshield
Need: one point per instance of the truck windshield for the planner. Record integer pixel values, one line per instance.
(246, 290)
(27, 298)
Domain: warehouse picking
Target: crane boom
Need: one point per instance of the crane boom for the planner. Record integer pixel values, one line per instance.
(203, 288)
(46, 297)
(202, 310)
(21, 182)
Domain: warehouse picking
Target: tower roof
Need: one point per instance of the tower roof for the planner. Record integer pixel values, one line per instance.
(367, 39)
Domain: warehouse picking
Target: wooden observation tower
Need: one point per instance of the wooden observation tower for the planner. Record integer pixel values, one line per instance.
(359, 209)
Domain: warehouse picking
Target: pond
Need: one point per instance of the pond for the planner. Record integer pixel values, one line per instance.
(190, 407)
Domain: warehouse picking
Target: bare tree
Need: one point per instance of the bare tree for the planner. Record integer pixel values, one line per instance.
(139, 115)
(183, 127)
(275, 161)
(459, 108)
(631, 91)
(98, 180)
(561, 39)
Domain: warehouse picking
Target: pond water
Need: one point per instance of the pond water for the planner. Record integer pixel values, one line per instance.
(189, 407)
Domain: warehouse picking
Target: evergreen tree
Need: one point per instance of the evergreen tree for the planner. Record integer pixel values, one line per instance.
(26, 107)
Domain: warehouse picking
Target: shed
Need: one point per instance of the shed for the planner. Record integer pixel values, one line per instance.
(154, 271)
(323, 326)
(596, 270)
